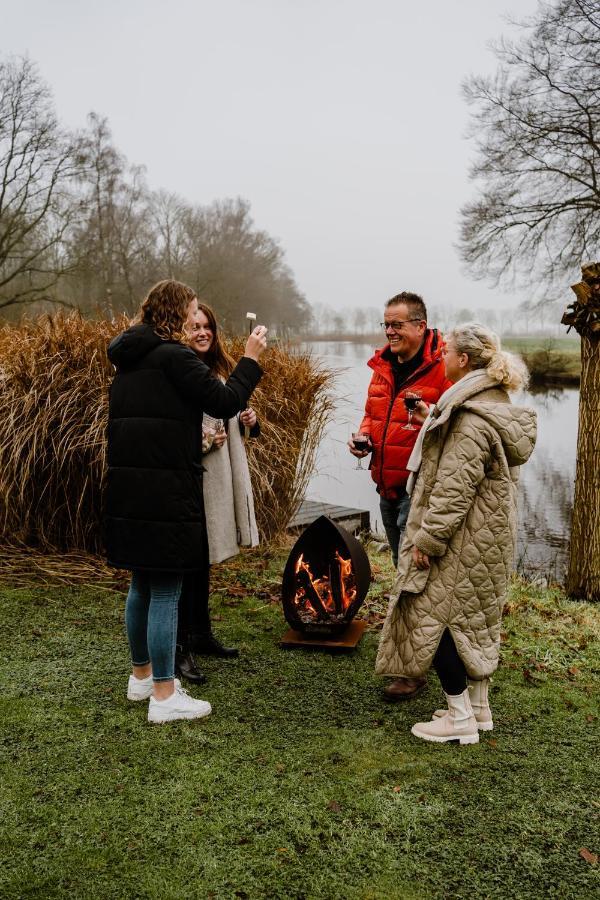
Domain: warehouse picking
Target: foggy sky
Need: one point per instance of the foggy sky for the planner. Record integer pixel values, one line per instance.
(340, 121)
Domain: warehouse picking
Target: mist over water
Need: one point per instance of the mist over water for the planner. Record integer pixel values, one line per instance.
(547, 481)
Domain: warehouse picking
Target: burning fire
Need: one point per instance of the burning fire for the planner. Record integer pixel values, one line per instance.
(327, 597)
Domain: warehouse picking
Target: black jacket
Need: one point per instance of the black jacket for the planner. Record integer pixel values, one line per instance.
(154, 512)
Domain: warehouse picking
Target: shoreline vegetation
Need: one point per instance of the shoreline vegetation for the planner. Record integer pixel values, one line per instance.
(53, 411)
(303, 783)
(552, 361)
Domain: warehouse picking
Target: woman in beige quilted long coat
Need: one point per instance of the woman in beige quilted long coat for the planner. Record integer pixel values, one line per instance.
(458, 548)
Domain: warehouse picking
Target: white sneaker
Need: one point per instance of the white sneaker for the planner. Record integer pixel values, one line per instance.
(178, 706)
(141, 688)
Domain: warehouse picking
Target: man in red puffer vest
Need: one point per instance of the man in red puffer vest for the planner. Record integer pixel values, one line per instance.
(410, 363)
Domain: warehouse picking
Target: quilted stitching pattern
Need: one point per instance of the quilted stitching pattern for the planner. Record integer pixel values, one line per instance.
(464, 516)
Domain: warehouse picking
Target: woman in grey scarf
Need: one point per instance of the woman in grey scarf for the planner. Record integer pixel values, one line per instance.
(457, 554)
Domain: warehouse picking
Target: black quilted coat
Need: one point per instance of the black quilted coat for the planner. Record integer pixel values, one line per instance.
(154, 513)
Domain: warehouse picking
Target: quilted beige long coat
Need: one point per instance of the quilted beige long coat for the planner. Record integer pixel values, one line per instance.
(464, 516)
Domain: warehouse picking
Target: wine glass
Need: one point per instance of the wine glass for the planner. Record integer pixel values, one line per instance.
(210, 428)
(361, 442)
(411, 399)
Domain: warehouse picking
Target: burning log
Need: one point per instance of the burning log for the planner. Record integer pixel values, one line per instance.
(335, 580)
(310, 592)
(325, 580)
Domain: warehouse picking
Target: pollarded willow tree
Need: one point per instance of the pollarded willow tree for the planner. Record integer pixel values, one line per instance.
(536, 218)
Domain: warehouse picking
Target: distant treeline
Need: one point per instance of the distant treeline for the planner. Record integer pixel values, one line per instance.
(79, 226)
(529, 317)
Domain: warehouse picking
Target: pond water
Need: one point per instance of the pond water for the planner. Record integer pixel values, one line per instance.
(547, 481)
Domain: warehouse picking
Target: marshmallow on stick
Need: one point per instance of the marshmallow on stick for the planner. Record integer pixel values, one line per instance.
(251, 319)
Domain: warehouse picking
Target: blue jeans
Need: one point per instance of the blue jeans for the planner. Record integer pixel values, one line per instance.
(151, 620)
(394, 514)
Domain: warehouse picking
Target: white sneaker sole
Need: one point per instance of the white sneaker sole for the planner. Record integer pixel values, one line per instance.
(175, 717)
(444, 739)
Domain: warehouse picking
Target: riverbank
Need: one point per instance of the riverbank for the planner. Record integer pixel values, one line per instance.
(303, 783)
(552, 361)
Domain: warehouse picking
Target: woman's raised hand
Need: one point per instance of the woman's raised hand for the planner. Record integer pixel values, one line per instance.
(248, 417)
(256, 343)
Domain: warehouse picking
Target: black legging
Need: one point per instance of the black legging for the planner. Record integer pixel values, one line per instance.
(194, 615)
(449, 666)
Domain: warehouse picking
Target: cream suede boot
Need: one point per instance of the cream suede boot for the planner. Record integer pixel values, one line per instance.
(459, 724)
(478, 691)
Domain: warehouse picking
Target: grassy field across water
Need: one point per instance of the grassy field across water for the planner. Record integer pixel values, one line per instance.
(303, 783)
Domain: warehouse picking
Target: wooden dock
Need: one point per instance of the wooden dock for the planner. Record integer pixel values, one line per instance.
(351, 519)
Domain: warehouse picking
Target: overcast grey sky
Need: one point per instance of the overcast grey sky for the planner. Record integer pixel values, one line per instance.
(340, 121)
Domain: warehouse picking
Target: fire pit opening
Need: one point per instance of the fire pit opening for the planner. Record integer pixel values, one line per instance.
(326, 579)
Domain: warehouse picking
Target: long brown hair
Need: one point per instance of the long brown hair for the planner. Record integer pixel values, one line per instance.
(166, 309)
(217, 358)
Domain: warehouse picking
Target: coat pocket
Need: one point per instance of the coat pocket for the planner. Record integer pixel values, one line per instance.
(410, 579)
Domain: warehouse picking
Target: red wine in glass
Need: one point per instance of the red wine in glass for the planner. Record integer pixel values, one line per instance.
(361, 443)
(411, 399)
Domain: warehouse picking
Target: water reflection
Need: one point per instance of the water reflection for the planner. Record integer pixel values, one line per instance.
(547, 481)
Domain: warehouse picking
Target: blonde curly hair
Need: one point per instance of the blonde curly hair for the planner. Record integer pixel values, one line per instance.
(166, 309)
(482, 346)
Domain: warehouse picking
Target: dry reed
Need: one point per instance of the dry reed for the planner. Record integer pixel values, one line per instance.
(54, 379)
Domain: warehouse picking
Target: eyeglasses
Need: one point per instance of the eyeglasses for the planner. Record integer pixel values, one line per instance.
(397, 326)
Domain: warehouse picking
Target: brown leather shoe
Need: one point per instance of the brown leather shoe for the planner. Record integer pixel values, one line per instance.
(404, 688)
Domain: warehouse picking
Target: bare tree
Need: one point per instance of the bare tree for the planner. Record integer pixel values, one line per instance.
(538, 213)
(112, 251)
(169, 214)
(536, 125)
(37, 163)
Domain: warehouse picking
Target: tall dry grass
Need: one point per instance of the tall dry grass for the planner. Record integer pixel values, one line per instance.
(54, 381)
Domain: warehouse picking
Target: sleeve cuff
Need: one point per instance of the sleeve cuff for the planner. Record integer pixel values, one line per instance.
(428, 544)
(252, 363)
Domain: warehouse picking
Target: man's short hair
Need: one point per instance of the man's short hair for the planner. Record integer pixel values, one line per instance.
(413, 302)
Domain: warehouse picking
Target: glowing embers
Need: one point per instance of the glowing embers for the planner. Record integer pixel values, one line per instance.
(325, 580)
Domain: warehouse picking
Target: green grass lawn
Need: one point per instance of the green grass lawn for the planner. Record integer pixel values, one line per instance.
(303, 783)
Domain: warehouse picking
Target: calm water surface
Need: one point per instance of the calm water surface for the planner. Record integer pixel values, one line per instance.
(547, 481)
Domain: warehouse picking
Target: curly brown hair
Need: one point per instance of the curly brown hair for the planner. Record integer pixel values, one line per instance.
(166, 309)
(217, 358)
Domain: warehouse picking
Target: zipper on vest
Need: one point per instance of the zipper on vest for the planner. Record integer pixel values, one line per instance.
(385, 431)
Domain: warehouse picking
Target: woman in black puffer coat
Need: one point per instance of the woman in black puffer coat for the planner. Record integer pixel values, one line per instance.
(154, 509)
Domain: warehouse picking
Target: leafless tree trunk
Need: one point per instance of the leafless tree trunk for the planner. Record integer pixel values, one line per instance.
(583, 579)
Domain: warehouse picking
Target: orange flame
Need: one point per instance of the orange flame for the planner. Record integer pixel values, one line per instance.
(324, 589)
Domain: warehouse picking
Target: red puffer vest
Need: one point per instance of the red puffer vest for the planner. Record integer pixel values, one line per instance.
(385, 414)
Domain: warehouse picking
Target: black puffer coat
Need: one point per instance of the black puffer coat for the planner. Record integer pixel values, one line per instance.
(153, 503)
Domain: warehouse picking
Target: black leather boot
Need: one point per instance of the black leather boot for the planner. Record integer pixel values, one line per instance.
(185, 667)
(209, 645)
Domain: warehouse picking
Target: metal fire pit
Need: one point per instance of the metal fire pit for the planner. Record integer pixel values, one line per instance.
(325, 582)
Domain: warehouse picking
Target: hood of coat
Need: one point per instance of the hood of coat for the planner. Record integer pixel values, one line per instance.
(132, 345)
(516, 425)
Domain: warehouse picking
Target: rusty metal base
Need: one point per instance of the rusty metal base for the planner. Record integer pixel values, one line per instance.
(345, 640)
